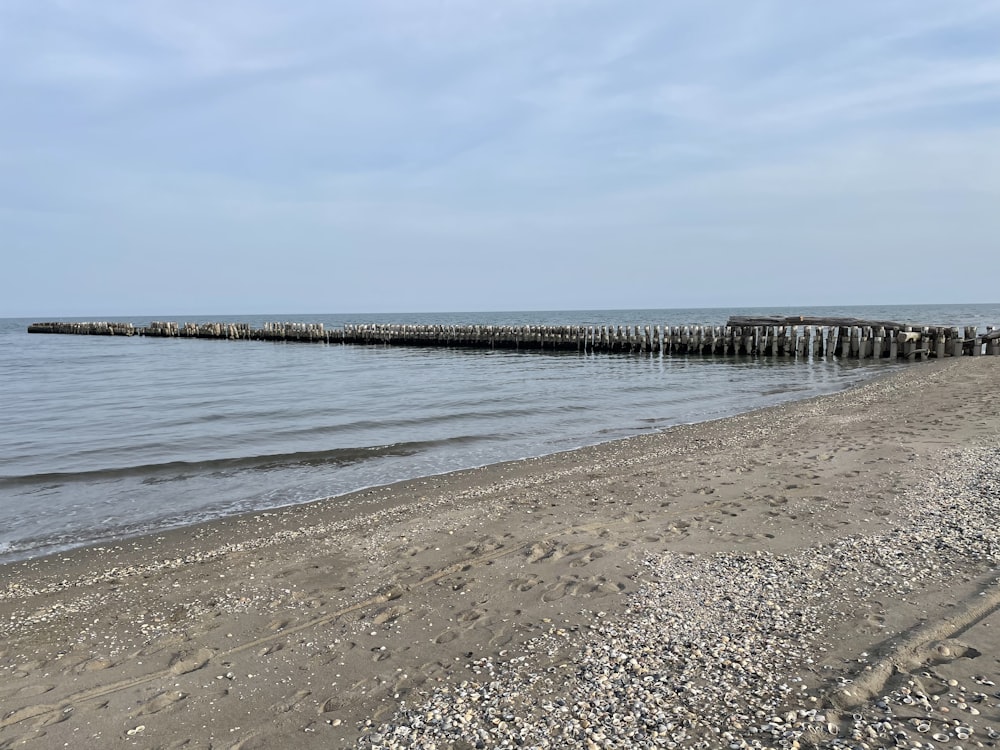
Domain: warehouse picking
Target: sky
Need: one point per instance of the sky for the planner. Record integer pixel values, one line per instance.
(243, 156)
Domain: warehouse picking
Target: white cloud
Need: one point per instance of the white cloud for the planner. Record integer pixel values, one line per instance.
(545, 125)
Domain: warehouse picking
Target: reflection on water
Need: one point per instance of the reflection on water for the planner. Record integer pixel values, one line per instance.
(112, 435)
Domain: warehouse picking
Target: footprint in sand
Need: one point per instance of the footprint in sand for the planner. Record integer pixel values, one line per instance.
(556, 591)
(388, 614)
(470, 615)
(331, 705)
(584, 560)
(161, 702)
(22, 740)
(446, 637)
(28, 691)
(96, 664)
(28, 712)
(538, 552)
(483, 546)
(271, 649)
(189, 661)
(289, 702)
(407, 683)
(53, 715)
(525, 584)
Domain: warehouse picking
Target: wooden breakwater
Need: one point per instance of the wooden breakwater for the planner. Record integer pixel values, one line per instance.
(798, 337)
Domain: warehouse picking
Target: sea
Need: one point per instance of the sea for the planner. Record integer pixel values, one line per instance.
(105, 438)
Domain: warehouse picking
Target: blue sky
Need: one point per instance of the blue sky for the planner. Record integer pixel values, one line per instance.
(407, 155)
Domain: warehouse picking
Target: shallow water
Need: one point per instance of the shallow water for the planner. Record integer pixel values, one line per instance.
(102, 437)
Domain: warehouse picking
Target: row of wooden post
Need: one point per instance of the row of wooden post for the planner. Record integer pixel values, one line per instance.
(805, 341)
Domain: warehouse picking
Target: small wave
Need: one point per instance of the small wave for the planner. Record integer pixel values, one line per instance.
(180, 470)
(779, 389)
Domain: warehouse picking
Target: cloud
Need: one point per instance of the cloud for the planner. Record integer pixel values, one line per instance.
(545, 131)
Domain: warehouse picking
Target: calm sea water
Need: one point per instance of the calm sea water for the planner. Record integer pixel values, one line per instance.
(105, 437)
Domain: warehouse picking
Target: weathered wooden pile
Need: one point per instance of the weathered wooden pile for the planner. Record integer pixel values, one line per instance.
(798, 337)
(86, 329)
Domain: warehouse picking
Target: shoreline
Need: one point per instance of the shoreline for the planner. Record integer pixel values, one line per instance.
(311, 625)
(399, 485)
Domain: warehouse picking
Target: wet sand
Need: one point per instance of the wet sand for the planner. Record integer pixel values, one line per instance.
(819, 574)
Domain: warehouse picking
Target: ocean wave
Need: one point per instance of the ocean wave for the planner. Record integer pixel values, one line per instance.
(156, 473)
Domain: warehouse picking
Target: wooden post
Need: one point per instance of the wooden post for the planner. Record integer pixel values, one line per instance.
(907, 343)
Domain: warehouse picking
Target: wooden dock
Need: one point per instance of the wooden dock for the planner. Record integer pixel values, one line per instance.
(796, 337)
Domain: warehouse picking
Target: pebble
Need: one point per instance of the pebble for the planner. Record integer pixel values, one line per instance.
(713, 650)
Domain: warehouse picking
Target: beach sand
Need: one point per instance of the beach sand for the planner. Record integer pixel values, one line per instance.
(818, 574)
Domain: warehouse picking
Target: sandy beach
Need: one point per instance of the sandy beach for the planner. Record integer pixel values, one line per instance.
(820, 574)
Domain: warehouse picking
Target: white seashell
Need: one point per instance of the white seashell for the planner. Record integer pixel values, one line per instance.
(832, 728)
(940, 736)
(923, 727)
